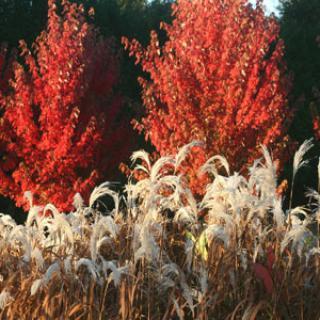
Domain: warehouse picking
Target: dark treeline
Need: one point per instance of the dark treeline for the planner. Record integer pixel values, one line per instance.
(25, 19)
(300, 30)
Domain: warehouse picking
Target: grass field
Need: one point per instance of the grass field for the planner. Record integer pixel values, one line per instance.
(162, 254)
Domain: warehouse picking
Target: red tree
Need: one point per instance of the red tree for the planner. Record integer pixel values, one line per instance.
(219, 78)
(61, 131)
(6, 73)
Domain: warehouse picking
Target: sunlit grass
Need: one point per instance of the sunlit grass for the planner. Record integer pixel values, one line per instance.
(155, 258)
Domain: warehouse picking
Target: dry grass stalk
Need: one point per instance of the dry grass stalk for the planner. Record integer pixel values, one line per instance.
(243, 259)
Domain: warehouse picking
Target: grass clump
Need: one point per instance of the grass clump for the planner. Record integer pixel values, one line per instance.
(234, 254)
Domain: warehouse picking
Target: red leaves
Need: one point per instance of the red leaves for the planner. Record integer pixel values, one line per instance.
(315, 118)
(263, 274)
(61, 137)
(217, 80)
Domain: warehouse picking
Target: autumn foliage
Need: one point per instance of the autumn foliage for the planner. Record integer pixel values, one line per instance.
(220, 78)
(5, 69)
(61, 128)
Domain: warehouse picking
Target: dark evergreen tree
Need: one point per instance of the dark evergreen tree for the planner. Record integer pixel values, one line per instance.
(21, 19)
(300, 29)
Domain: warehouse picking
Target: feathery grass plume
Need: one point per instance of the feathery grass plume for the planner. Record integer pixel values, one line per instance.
(144, 156)
(295, 219)
(172, 184)
(159, 165)
(33, 215)
(60, 229)
(149, 248)
(298, 162)
(36, 285)
(185, 215)
(271, 167)
(187, 194)
(104, 190)
(28, 196)
(216, 231)
(5, 299)
(263, 178)
(218, 212)
(203, 281)
(299, 232)
(50, 207)
(16, 232)
(105, 225)
(297, 236)
(226, 188)
(180, 196)
(7, 225)
(90, 266)
(67, 264)
(22, 236)
(225, 191)
(103, 241)
(116, 272)
(316, 196)
(268, 161)
(278, 214)
(149, 193)
(137, 192)
(184, 151)
(7, 221)
(54, 269)
(188, 249)
(168, 275)
(78, 201)
(313, 195)
(211, 167)
(36, 254)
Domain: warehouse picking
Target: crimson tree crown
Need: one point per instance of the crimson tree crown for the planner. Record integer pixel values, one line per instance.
(219, 78)
(60, 131)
